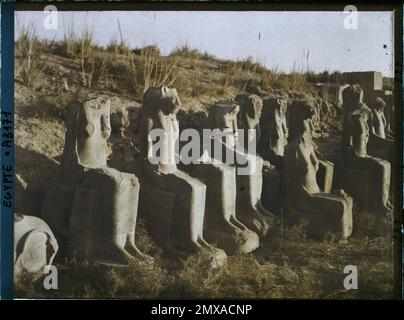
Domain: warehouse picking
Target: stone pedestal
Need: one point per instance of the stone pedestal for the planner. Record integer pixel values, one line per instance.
(368, 181)
(221, 224)
(324, 212)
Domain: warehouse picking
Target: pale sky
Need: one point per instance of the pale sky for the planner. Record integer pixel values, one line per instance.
(280, 39)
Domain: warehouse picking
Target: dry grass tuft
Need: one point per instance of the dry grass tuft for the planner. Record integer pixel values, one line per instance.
(29, 48)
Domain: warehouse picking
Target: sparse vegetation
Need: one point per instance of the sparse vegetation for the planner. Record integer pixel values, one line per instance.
(186, 52)
(29, 49)
(150, 69)
(287, 264)
(70, 43)
(282, 267)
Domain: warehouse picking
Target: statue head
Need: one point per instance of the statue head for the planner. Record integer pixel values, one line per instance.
(161, 99)
(352, 96)
(304, 109)
(301, 116)
(379, 104)
(223, 116)
(279, 105)
(250, 109)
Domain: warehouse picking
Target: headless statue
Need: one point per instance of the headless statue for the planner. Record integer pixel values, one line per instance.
(100, 221)
(187, 205)
(35, 246)
(376, 170)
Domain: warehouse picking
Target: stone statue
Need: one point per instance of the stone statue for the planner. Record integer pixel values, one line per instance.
(388, 98)
(378, 146)
(249, 116)
(378, 120)
(274, 132)
(352, 97)
(90, 206)
(223, 207)
(365, 177)
(174, 202)
(35, 246)
(301, 121)
(249, 186)
(324, 211)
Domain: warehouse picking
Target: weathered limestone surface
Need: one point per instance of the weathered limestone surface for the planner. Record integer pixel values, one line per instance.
(93, 208)
(379, 122)
(222, 220)
(378, 146)
(368, 80)
(249, 183)
(365, 177)
(35, 246)
(249, 116)
(381, 142)
(172, 197)
(309, 180)
(301, 121)
(332, 92)
(324, 211)
(274, 131)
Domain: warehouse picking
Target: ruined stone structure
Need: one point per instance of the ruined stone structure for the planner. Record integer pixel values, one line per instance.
(368, 80)
(173, 202)
(35, 246)
(93, 208)
(365, 177)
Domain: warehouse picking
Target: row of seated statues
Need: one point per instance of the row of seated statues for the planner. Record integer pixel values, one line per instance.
(209, 207)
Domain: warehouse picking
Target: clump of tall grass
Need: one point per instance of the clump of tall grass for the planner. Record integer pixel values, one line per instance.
(94, 64)
(30, 66)
(120, 47)
(150, 69)
(70, 42)
(184, 51)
